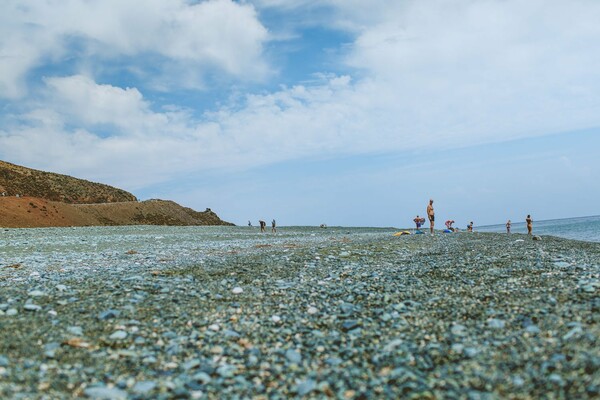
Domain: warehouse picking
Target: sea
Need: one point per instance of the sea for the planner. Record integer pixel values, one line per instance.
(581, 228)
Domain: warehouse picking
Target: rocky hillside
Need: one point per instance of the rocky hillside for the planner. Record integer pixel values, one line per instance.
(31, 198)
(31, 212)
(17, 180)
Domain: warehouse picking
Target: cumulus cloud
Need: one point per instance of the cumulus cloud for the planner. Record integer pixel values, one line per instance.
(421, 75)
(210, 35)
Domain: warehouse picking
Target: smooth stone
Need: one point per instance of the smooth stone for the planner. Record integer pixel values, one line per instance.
(118, 335)
(36, 293)
(459, 330)
(4, 361)
(108, 314)
(237, 290)
(572, 333)
(312, 310)
(191, 364)
(532, 329)
(349, 325)
(104, 393)
(231, 334)
(75, 330)
(293, 356)
(202, 377)
(495, 323)
(11, 311)
(535, 237)
(276, 318)
(305, 387)
(61, 288)
(226, 371)
(144, 387)
(32, 307)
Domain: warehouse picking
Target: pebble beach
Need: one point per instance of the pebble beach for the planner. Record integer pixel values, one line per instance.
(344, 313)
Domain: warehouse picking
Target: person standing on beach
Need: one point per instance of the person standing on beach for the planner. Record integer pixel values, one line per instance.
(273, 226)
(263, 225)
(418, 221)
(529, 224)
(431, 215)
(508, 226)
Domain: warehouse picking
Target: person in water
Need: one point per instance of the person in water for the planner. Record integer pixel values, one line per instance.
(529, 224)
(431, 215)
(273, 226)
(508, 226)
(263, 225)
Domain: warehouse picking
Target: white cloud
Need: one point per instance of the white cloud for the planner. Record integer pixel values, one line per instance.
(432, 75)
(199, 37)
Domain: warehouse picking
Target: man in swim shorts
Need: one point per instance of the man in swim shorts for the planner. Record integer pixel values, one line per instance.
(417, 222)
(431, 215)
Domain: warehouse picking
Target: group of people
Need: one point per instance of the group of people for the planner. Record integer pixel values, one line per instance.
(419, 221)
(263, 225)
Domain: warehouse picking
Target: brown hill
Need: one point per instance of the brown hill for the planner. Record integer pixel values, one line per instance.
(29, 212)
(22, 181)
(31, 198)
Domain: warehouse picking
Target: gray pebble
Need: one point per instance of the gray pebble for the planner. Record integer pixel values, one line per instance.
(105, 393)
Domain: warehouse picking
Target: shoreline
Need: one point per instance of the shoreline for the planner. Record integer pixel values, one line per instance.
(314, 313)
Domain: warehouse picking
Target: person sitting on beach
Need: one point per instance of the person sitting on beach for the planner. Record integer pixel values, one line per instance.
(470, 227)
(431, 215)
(529, 224)
(508, 226)
(449, 225)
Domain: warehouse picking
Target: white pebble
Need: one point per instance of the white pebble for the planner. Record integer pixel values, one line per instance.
(276, 318)
(237, 290)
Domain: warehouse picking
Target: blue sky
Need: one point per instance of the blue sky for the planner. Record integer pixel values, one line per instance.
(340, 112)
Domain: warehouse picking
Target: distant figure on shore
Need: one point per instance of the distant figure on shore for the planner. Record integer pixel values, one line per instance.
(431, 215)
(419, 222)
(529, 224)
(449, 225)
(273, 226)
(470, 227)
(263, 225)
(249, 223)
(508, 226)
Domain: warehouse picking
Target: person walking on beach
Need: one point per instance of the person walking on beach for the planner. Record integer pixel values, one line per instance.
(431, 215)
(529, 224)
(263, 225)
(508, 226)
(273, 226)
